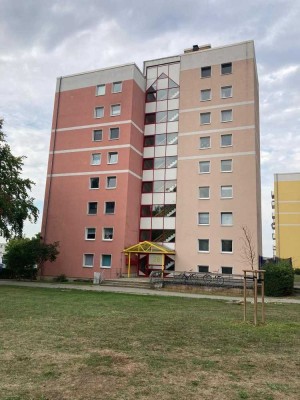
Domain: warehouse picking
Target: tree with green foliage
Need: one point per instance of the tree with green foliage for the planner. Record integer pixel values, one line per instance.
(279, 278)
(23, 256)
(16, 205)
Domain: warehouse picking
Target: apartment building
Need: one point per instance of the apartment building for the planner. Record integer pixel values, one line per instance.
(169, 158)
(286, 216)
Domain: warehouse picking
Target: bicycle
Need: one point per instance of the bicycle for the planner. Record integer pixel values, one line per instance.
(213, 279)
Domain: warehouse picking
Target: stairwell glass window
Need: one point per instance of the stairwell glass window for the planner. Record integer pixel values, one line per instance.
(226, 192)
(97, 135)
(203, 245)
(226, 246)
(90, 233)
(205, 72)
(204, 167)
(205, 142)
(108, 233)
(106, 261)
(204, 192)
(109, 207)
(96, 159)
(117, 87)
(226, 68)
(205, 118)
(226, 218)
(115, 109)
(88, 260)
(226, 140)
(92, 208)
(226, 92)
(205, 95)
(226, 115)
(226, 165)
(99, 112)
(100, 90)
(94, 183)
(112, 157)
(203, 218)
(111, 182)
(114, 133)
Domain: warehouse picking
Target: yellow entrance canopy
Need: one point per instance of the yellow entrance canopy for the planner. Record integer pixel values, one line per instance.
(148, 248)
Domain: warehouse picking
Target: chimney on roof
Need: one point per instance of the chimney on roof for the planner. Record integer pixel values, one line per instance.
(195, 47)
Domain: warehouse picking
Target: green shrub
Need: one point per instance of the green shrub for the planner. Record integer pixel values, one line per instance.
(279, 279)
(297, 271)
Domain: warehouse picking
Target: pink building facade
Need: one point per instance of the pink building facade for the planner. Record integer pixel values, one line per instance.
(169, 156)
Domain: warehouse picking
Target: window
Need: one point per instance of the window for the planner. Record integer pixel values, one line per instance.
(226, 218)
(88, 260)
(147, 187)
(205, 95)
(99, 112)
(226, 68)
(115, 109)
(203, 245)
(226, 165)
(205, 142)
(226, 246)
(105, 260)
(111, 182)
(149, 141)
(205, 72)
(96, 159)
(117, 87)
(226, 140)
(205, 118)
(92, 208)
(90, 233)
(94, 183)
(109, 207)
(203, 218)
(173, 115)
(203, 268)
(108, 233)
(204, 167)
(148, 163)
(114, 133)
(112, 157)
(204, 192)
(226, 91)
(226, 115)
(226, 270)
(226, 192)
(150, 118)
(100, 90)
(97, 135)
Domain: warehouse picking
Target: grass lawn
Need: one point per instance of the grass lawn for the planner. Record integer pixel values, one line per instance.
(69, 344)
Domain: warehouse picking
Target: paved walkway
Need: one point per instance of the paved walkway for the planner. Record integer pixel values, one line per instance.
(142, 291)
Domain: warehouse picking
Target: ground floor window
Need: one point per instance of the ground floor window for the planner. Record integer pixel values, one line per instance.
(106, 260)
(88, 260)
(203, 268)
(226, 270)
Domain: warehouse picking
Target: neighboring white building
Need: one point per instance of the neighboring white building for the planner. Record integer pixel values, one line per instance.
(2, 250)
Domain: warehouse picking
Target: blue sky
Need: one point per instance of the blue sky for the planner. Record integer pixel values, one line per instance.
(41, 40)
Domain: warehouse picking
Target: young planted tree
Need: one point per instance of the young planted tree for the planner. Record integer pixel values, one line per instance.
(248, 255)
(16, 205)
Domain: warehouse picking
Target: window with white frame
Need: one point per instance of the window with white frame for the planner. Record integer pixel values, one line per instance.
(114, 133)
(100, 90)
(226, 246)
(112, 157)
(90, 233)
(205, 118)
(204, 167)
(204, 192)
(95, 182)
(205, 72)
(115, 109)
(226, 91)
(97, 135)
(108, 233)
(99, 112)
(226, 218)
(205, 95)
(226, 192)
(226, 165)
(227, 270)
(117, 87)
(226, 115)
(109, 207)
(226, 68)
(205, 142)
(88, 260)
(203, 268)
(203, 245)
(111, 182)
(106, 260)
(96, 159)
(226, 140)
(203, 218)
(92, 207)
